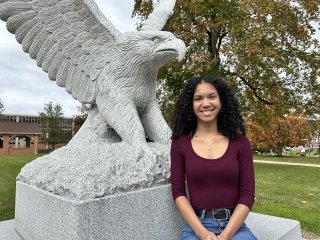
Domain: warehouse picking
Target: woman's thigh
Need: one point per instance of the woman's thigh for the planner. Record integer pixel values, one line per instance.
(210, 224)
(188, 234)
(244, 233)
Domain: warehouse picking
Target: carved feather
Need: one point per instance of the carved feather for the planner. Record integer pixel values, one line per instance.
(16, 21)
(62, 36)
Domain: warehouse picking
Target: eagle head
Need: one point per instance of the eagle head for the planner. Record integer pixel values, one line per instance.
(155, 48)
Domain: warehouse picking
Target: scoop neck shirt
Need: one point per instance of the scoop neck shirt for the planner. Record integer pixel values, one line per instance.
(222, 182)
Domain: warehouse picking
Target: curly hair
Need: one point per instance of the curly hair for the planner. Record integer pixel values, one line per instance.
(230, 120)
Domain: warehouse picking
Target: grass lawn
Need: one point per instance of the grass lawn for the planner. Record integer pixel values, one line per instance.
(9, 168)
(285, 191)
(293, 159)
(290, 192)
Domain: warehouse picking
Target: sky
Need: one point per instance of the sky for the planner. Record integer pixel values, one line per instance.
(25, 87)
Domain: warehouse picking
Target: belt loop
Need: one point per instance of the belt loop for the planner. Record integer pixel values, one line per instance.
(203, 214)
(229, 213)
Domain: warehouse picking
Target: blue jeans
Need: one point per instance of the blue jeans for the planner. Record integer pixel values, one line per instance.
(217, 226)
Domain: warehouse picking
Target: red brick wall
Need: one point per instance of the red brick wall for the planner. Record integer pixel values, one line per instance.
(22, 151)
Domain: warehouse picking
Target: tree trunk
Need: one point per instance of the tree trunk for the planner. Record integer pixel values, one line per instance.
(279, 149)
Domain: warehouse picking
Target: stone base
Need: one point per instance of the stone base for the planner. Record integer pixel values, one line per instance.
(139, 215)
(267, 227)
(7, 231)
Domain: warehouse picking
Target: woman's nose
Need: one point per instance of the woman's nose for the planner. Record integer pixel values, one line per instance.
(206, 102)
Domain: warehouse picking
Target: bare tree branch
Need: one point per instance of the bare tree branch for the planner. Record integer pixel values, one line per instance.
(253, 89)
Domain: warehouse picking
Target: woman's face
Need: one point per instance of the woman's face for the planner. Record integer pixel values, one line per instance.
(206, 102)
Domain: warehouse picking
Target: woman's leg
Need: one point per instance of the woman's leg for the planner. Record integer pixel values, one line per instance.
(188, 234)
(244, 233)
(208, 223)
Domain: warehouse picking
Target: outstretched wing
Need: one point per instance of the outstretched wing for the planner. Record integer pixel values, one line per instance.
(68, 39)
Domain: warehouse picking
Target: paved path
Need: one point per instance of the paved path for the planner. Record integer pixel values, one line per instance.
(287, 163)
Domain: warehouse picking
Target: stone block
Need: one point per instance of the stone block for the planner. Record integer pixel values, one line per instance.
(141, 214)
(267, 227)
(7, 231)
(145, 214)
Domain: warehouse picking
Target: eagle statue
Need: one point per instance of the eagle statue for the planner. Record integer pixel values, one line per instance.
(115, 72)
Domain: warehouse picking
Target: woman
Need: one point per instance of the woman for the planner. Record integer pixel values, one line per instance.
(210, 152)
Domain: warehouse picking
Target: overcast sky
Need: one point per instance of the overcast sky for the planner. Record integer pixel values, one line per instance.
(25, 88)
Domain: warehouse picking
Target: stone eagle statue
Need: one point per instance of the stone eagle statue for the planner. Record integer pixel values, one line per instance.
(116, 73)
(83, 52)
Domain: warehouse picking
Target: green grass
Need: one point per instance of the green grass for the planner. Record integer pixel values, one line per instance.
(290, 192)
(9, 168)
(293, 159)
(285, 191)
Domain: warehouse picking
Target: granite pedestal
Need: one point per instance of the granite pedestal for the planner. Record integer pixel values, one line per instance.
(145, 214)
(142, 214)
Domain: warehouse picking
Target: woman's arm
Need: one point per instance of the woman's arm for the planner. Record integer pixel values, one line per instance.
(246, 191)
(238, 217)
(192, 219)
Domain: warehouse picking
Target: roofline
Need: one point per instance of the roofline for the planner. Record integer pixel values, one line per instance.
(20, 133)
(29, 115)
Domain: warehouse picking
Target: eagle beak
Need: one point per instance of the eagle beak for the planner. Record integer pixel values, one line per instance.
(181, 49)
(173, 45)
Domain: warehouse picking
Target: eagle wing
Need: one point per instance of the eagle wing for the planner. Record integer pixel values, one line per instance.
(69, 39)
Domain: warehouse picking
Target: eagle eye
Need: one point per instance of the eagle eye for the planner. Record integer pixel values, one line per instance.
(156, 39)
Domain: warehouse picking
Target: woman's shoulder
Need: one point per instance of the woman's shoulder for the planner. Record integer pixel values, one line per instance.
(179, 144)
(181, 139)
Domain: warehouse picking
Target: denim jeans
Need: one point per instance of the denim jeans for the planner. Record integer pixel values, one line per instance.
(217, 226)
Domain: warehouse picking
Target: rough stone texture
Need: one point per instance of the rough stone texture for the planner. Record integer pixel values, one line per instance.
(139, 215)
(99, 170)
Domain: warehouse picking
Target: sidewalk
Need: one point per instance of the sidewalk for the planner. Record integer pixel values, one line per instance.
(309, 236)
(287, 163)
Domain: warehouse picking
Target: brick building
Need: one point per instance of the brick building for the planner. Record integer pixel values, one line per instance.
(19, 138)
(20, 134)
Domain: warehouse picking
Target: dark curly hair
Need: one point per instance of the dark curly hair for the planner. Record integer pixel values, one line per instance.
(230, 120)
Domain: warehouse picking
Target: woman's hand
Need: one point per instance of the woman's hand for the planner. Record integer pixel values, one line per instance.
(221, 237)
(208, 236)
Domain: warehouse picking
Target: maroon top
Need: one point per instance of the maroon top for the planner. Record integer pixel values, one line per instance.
(220, 183)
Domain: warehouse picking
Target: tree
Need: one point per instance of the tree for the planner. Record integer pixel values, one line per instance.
(1, 107)
(278, 133)
(81, 116)
(266, 50)
(50, 122)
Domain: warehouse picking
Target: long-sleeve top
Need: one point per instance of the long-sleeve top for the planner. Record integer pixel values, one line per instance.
(213, 183)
